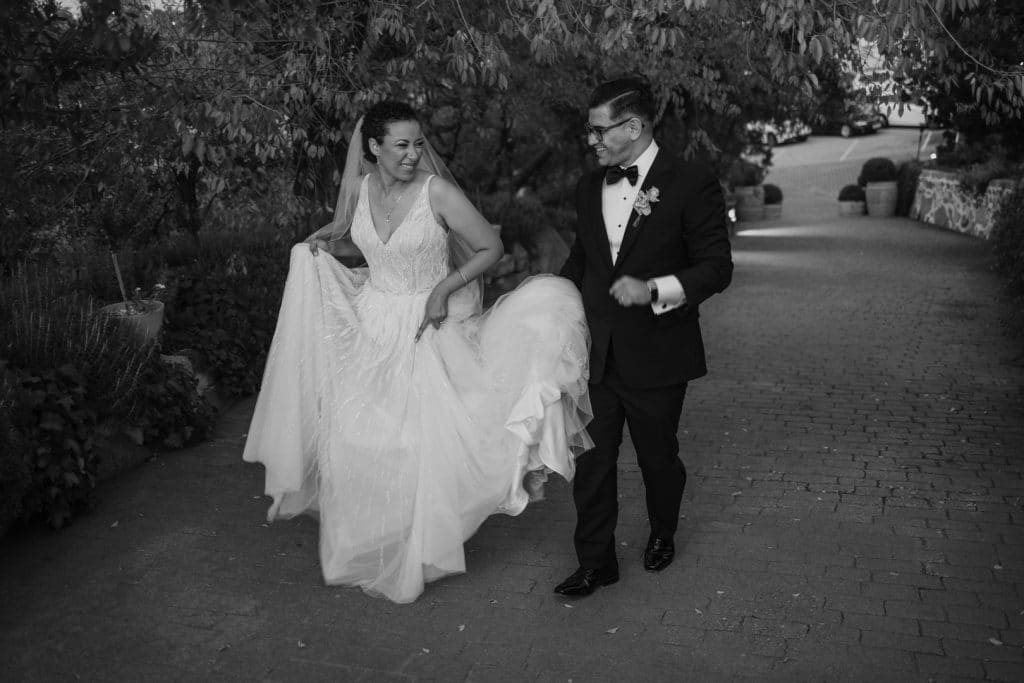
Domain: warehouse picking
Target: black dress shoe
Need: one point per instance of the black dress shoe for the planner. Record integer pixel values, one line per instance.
(585, 581)
(659, 554)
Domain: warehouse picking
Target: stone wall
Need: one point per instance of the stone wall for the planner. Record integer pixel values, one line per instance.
(940, 201)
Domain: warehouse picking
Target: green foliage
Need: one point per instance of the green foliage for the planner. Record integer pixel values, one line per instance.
(226, 309)
(169, 411)
(851, 193)
(67, 376)
(15, 472)
(772, 194)
(877, 170)
(744, 173)
(906, 185)
(974, 179)
(46, 323)
(57, 422)
(1008, 240)
(1008, 248)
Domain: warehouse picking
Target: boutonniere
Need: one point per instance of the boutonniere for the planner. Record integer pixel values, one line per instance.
(643, 202)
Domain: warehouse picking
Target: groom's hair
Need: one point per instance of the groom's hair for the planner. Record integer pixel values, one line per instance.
(627, 95)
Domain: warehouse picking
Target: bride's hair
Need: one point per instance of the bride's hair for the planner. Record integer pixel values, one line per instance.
(377, 119)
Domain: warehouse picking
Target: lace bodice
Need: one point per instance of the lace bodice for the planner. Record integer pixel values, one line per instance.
(415, 257)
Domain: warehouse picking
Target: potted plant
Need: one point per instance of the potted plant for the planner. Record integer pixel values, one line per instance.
(878, 178)
(772, 201)
(851, 201)
(144, 313)
(745, 178)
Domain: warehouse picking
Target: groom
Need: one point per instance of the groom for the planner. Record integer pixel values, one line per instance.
(651, 245)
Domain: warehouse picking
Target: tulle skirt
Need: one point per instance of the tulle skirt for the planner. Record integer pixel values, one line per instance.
(403, 448)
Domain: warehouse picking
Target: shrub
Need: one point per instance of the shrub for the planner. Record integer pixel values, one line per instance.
(1008, 240)
(772, 194)
(60, 423)
(46, 324)
(877, 170)
(851, 193)
(15, 474)
(521, 218)
(906, 186)
(226, 310)
(745, 173)
(1008, 246)
(974, 179)
(169, 411)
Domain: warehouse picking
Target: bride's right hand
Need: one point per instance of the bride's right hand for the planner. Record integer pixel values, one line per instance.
(316, 244)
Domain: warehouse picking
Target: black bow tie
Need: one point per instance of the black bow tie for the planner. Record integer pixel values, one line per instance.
(616, 173)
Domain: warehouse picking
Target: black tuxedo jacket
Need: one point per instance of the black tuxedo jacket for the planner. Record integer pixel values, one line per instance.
(685, 235)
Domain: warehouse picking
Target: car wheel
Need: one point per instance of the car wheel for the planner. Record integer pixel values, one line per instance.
(846, 131)
(771, 140)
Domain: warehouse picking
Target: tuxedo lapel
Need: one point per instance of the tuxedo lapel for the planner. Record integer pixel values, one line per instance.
(599, 234)
(659, 169)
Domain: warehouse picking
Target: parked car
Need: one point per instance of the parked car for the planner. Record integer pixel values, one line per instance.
(850, 121)
(771, 133)
(875, 115)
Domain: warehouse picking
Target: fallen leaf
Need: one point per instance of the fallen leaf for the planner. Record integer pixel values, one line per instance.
(425, 650)
(995, 641)
(114, 524)
(697, 611)
(462, 627)
(566, 605)
(613, 630)
(301, 644)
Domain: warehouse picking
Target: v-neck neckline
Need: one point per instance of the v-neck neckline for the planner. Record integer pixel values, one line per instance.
(373, 223)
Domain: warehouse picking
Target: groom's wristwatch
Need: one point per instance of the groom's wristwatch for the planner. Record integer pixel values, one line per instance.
(652, 287)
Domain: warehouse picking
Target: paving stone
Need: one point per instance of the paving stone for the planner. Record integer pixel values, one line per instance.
(855, 482)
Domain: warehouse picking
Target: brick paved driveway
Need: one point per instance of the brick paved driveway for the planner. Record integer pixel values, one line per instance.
(853, 513)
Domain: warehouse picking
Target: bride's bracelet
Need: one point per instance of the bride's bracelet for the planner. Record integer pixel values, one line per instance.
(464, 280)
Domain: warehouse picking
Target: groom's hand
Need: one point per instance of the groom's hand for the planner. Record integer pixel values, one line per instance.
(629, 291)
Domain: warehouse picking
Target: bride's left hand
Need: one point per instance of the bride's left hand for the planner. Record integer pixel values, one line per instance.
(436, 309)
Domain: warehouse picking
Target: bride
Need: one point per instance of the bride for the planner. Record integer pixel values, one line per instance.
(392, 408)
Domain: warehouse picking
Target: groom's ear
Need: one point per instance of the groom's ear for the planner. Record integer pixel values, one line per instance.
(636, 127)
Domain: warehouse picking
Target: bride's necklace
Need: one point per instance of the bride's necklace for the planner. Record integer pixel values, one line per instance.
(383, 205)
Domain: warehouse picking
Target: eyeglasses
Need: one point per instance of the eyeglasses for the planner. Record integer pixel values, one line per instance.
(599, 131)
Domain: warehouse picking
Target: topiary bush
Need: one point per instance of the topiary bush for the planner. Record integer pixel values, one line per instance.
(851, 193)
(772, 194)
(877, 170)
(906, 186)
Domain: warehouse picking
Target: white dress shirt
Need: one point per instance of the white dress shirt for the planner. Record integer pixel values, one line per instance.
(616, 206)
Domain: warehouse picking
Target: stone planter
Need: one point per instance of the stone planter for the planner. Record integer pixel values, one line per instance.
(854, 208)
(938, 200)
(146, 324)
(749, 203)
(880, 198)
(772, 211)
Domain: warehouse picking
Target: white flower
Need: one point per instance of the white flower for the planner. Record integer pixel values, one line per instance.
(645, 199)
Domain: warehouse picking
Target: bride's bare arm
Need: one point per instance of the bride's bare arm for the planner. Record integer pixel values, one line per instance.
(458, 214)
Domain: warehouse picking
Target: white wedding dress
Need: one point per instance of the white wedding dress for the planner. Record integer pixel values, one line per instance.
(403, 448)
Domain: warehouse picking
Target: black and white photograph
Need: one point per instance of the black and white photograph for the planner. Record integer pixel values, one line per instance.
(512, 340)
